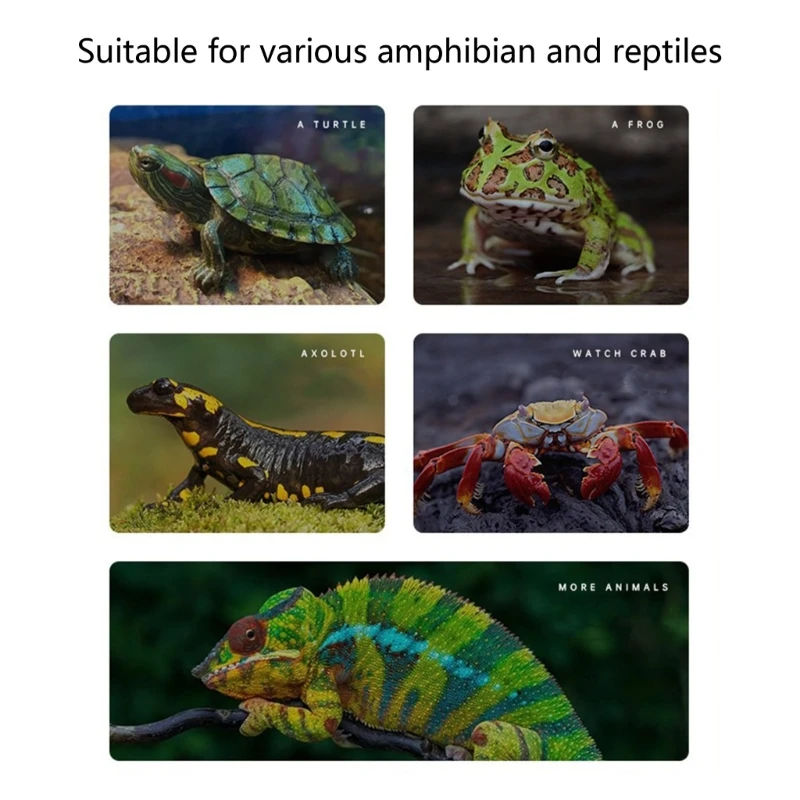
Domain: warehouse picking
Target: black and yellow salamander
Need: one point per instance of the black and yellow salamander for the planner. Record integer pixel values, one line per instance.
(335, 469)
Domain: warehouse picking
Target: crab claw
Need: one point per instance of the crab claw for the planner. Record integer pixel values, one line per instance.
(631, 437)
(521, 478)
(598, 477)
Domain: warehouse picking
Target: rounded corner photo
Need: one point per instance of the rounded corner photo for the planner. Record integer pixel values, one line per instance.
(247, 205)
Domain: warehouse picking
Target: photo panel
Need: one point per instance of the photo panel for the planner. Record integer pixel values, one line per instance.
(551, 433)
(551, 204)
(284, 433)
(247, 205)
(440, 661)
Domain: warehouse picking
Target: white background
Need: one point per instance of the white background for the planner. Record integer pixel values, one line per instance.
(58, 321)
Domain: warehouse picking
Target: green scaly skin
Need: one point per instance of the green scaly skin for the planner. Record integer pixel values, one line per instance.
(256, 204)
(397, 654)
(527, 189)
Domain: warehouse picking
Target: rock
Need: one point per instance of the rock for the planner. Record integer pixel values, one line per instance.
(154, 253)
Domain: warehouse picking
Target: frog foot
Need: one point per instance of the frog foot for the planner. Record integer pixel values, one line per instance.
(575, 274)
(648, 265)
(472, 262)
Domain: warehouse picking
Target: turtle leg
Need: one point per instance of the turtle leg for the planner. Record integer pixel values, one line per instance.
(209, 273)
(339, 263)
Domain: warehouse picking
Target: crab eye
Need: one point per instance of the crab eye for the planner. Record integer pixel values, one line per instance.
(546, 145)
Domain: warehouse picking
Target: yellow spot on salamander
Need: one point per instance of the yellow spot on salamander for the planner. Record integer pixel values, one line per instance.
(318, 490)
(190, 437)
(241, 483)
(306, 491)
(281, 493)
(245, 462)
(184, 494)
(333, 434)
(280, 431)
(186, 395)
(375, 439)
(207, 452)
(174, 383)
(292, 498)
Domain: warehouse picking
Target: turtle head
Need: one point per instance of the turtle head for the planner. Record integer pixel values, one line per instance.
(174, 184)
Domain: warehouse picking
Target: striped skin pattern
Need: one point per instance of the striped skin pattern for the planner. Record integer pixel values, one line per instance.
(397, 654)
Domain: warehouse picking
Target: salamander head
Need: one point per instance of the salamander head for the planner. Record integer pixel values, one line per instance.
(165, 397)
(262, 654)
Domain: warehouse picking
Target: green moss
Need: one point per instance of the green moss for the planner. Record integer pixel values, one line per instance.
(208, 513)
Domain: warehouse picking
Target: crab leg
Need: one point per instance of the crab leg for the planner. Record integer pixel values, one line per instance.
(484, 447)
(657, 429)
(424, 456)
(521, 478)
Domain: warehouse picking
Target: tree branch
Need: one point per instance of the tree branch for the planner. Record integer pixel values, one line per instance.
(354, 732)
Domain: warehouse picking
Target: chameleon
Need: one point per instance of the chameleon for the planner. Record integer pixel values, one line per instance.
(397, 654)
(334, 469)
(528, 190)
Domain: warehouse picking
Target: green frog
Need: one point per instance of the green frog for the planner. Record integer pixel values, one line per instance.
(528, 188)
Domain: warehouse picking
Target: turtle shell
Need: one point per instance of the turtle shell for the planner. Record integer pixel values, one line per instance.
(277, 195)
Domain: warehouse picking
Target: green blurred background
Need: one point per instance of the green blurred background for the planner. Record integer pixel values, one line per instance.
(621, 658)
(259, 376)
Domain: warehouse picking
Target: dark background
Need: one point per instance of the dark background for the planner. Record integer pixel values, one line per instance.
(350, 163)
(466, 383)
(621, 658)
(647, 170)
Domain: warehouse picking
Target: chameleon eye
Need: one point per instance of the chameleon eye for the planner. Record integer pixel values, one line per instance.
(162, 387)
(246, 636)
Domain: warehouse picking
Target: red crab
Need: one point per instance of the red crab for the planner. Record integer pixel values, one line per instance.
(561, 426)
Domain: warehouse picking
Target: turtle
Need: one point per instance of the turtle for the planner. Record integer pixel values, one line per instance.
(258, 204)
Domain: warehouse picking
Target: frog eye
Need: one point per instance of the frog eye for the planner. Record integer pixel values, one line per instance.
(545, 145)
(246, 636)
(162, 387)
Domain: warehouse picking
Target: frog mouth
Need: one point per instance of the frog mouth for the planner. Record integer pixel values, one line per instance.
(550, 201)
